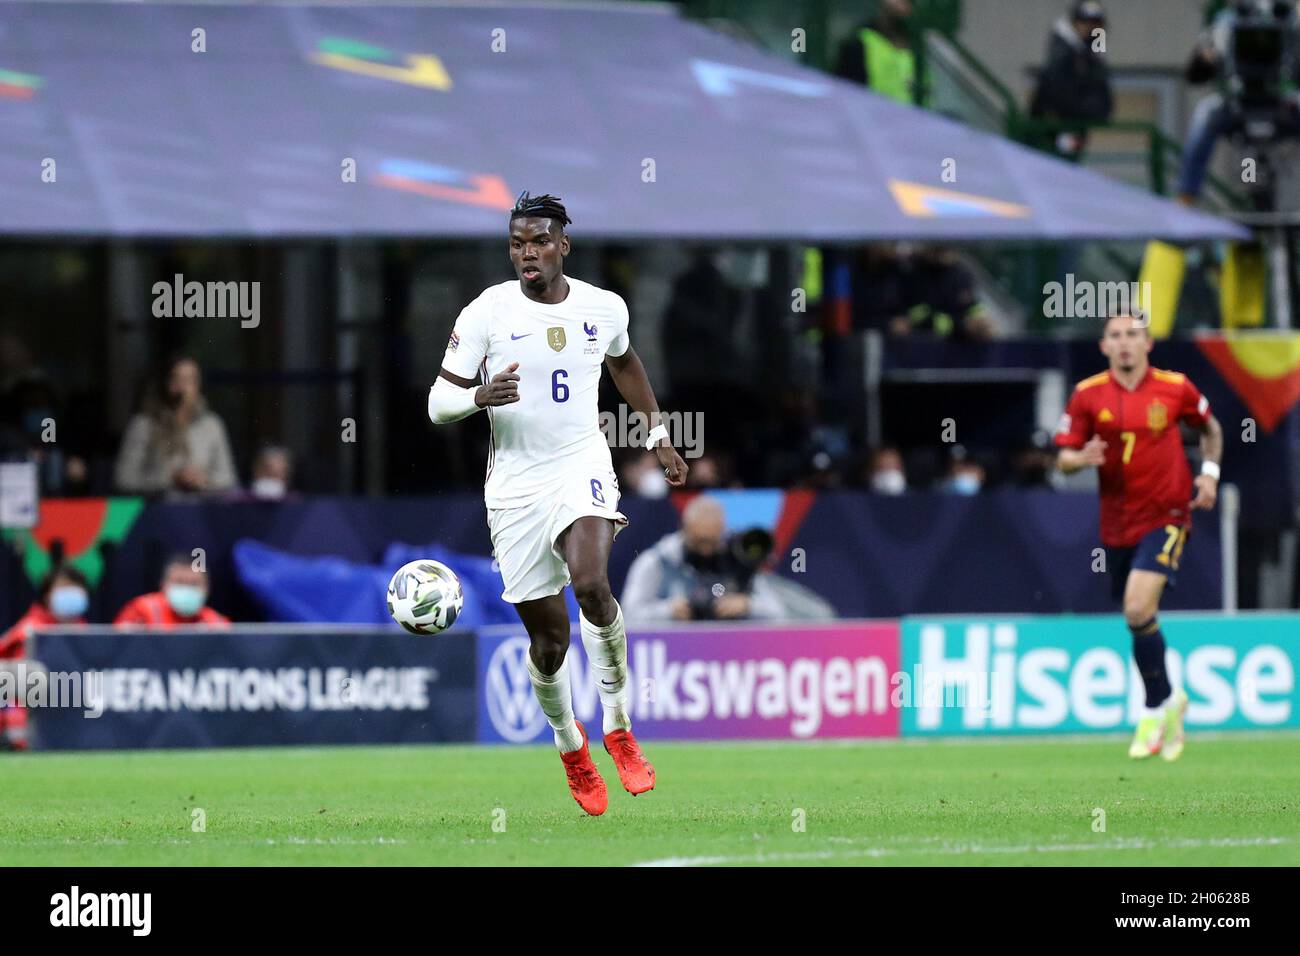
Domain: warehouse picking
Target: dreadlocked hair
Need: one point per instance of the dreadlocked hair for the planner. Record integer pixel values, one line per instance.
(540, 207)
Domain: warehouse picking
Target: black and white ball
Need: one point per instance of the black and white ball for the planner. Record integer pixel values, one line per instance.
(425, 596)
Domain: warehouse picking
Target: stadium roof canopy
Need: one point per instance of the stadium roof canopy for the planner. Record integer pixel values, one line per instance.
(646, 124)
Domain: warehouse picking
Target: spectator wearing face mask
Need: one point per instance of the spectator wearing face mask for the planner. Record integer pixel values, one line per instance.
(176, 444)
(965, 477)
(885, 474)
(62, 598)
(272, 473)
(644, 476)
(182, 600)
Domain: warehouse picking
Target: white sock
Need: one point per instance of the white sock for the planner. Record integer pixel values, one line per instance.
(556, 700)
(607, 651)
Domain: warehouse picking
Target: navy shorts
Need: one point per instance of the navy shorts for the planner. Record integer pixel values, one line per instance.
(1159, 550)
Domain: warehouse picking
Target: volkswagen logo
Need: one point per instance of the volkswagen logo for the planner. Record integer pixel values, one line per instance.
(511, 705)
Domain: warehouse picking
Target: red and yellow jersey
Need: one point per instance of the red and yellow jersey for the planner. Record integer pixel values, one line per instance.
(1146, 482)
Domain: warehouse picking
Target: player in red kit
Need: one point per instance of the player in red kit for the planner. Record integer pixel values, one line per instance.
(1125, 423)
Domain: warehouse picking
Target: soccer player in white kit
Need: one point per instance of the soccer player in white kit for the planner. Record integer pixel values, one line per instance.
(552, 498)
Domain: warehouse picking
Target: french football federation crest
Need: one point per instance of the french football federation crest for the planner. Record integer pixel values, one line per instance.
(555, 338)
(1157, 417)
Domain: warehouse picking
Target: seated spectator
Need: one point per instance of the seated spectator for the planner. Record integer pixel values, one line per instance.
(272, 473)
(706, 472)
(943, 298)
(885, 474)
(643, 475)
(694, 575)
(176, 444)
(62, 598)
(182, 600)
(823, 472)
(965, 475)
(879, 288)
(1033, 465)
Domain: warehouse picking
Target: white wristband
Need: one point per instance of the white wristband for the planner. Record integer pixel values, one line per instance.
(657, 434)
(1210, 468)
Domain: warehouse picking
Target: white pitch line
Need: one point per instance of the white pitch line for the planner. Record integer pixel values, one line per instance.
(333, 841)
(201, 841)
(963, 849)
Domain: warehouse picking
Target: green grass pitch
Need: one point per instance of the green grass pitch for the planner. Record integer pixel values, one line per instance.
(1231, 800)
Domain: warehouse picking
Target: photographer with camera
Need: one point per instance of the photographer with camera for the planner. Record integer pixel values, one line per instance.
(703, 574)
(1250, 48)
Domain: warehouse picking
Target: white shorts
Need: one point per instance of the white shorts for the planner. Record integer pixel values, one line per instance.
(523, 538)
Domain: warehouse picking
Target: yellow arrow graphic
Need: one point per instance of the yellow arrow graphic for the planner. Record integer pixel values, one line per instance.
(422, 69)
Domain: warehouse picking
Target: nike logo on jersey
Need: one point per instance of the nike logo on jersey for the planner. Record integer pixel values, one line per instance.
(514, 337)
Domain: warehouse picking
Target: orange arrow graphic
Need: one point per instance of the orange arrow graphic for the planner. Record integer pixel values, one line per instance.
(487, 191)
(914, 199)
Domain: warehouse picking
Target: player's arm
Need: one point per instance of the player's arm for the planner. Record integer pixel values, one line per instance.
(1196, 413)
(455, 393)
(1093, 453)
(634, 385)
(454, 397)
(1207, 482)
(1079, 447)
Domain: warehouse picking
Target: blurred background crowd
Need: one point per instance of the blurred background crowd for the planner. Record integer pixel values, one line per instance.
(817, 366)
(184, 407)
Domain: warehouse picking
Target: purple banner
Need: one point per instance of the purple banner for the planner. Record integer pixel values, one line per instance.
(716, 683)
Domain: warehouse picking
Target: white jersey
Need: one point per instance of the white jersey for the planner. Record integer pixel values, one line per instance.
(554, 427)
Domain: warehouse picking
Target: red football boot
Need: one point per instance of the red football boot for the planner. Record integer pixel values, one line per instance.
(585, 782)
(637, 773)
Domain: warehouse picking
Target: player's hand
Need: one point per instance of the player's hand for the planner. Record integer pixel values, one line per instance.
(1094, 452)
(674, 468)
(1207, 493)
(502, 390)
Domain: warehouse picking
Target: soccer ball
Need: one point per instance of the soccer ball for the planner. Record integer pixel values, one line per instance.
(425, 596)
